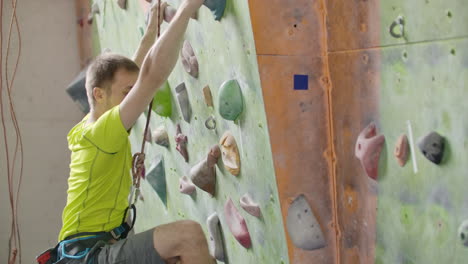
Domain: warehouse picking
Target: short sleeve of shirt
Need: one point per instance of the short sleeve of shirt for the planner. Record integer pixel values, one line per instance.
(108, 133)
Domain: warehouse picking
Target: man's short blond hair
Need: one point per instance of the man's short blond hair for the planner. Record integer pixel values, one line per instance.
(102, 71)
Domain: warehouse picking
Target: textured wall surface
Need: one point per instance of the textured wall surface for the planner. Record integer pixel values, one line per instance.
(225, 50)
(357, 73)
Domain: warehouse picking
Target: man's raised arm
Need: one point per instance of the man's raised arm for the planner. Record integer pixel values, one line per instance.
(157, 65)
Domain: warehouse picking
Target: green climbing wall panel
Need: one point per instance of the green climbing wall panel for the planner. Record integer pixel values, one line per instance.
(225, 51)
(419, 213)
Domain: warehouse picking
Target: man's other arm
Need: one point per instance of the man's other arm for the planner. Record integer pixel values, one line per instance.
(150, 35)
(157, 65)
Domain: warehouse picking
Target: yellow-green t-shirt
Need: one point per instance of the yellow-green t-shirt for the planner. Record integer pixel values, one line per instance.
(99, 181)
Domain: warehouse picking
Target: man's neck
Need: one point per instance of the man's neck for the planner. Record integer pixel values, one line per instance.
(94, 115)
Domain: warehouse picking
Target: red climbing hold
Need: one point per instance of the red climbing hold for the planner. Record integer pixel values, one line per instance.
(181, 143)
(237, 224)
(368, 148)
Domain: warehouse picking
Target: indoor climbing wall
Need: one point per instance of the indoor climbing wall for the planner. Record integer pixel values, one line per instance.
(208, 156)
(403, 66)
(335, 132)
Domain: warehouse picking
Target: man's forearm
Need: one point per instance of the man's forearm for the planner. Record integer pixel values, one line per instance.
(163, 55)
(146, 43)
(157, 65)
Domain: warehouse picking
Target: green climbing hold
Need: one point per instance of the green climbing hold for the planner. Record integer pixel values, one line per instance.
(231, 102)
(157, 179)
(162, 102)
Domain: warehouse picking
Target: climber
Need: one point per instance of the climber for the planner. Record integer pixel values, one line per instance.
(94, 226)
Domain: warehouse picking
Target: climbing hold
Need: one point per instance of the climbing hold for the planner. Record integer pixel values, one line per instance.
(217, 7)
(186, 186)
(160, 136)
(400, 23)
(237, 224)
(157, 179)
(463, 233)
(210, 123)
(231, 102)
(249, 205)
(203, 174)
(302, 225)
(432, 146)
(148, 137)
(207, 95)
(368, 148)
(230, 153)
(122, 4)
(401, 150)
(162, 101)
(215, 243)
(189, 60)
(181, 143)
(184, 103)
(94, 11)
(169, 13)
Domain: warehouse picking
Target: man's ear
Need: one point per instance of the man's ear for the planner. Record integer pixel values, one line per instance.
(98, 94)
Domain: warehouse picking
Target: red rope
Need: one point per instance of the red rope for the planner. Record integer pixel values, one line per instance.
(138, 162)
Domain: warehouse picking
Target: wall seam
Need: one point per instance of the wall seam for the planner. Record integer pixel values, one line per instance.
(331, 153)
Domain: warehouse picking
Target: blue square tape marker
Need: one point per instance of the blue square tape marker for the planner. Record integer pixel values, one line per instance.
(301, 82)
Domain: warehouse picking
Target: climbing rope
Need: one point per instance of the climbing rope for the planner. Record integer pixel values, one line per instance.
(14, 245)
(138, 161)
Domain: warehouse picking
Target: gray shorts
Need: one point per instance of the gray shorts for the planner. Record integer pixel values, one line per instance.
(137, 248)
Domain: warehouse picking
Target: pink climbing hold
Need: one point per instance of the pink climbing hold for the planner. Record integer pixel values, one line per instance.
(368, 148)
(401, 150)
(185, 186)
(237, 224)
(249, 205)
(181, 143)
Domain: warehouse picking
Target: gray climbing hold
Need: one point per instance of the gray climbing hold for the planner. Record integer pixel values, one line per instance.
(217, 7)
(157, 179)
(161, 137)
(184, 103)
(122, 4)
(463, 233)
(203, 174)
(189, 60)
(432, 147)
(215, 243)
(303, 227)
(231, 102)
